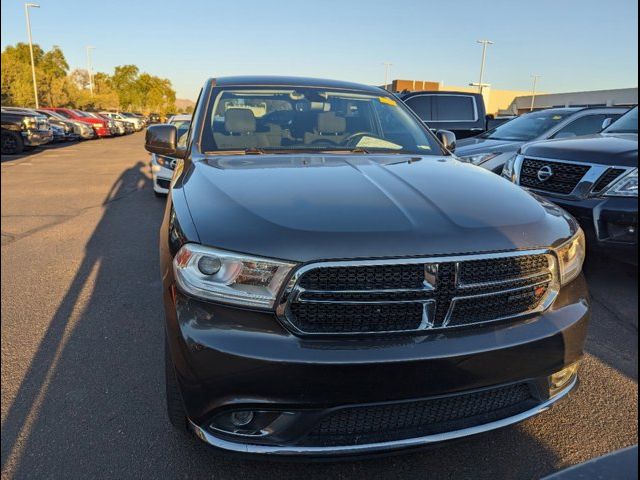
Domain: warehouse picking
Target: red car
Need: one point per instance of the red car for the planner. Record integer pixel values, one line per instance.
(101, 127)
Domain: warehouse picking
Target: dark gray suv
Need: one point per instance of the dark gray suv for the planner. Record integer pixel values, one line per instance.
(335, 282)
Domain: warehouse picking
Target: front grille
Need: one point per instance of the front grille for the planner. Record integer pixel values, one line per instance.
(564, 179)
(380, 423)
(609, 176)
(401, 297)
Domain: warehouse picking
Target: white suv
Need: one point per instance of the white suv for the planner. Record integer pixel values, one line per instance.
(137, 123)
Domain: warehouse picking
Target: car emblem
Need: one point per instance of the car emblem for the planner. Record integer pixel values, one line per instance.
(545, 173)
(173, 164)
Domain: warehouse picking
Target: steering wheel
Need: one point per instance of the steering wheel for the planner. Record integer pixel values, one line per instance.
(349, 141)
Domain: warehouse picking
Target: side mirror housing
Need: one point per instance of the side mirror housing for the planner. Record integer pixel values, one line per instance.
(448, 139)
(607, 122)
(161, 139)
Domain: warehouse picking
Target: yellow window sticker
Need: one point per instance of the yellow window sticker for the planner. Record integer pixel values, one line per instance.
(557, 117)
(388, 101)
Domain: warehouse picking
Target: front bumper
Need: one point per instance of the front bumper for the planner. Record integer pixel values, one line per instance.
(102, 131)
(232, 359)
(34, 138)
(610, 224)
(161, 177)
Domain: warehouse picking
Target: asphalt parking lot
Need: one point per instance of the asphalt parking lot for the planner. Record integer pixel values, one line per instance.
(82, 345)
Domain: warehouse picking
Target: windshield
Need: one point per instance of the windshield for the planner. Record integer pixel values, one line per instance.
(63, 113)
(528, 126)
(279, 119)
(628, 123)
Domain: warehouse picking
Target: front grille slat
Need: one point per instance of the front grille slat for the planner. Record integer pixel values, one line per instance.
(379, 423)
(564, 179)
(402, 297)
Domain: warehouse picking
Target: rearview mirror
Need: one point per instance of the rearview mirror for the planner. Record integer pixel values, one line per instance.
(448, 139)
(607, 122)
(161, 139)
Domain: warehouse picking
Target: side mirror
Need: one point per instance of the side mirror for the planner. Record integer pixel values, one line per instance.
(607, 122)
(161, 139)
(448, 139)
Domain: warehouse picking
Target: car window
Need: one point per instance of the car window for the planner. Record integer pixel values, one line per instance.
(64, 114)
(421, 105)
(309, 118)
(628, 123)
(585, 125)
(527, 126)
(450, 108)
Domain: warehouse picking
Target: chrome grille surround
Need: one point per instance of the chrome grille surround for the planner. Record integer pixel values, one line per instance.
(586, 186)
(431, 296)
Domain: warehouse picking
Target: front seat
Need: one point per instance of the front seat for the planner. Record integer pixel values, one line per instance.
(329, 127)
(240, 131)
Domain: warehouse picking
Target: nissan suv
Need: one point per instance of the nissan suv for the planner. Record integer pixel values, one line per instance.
(336, 282)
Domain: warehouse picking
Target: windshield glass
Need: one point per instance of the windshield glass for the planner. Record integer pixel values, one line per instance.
(528, 126)
(628, 123)
(63, 113)
(312, 119)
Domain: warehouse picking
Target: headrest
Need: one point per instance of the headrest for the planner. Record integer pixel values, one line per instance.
(328, 122)
(239, 120)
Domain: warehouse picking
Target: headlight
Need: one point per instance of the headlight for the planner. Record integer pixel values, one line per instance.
(627, 186)
(29, 123)
(480, 158)
(166, 162)
(509, 169)
(571, 256)
(229, 277)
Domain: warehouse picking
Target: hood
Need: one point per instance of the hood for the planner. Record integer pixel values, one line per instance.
(603, 149)
(314, 207)
(475, 145)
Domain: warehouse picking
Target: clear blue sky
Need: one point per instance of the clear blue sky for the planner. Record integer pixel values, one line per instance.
(573, 44)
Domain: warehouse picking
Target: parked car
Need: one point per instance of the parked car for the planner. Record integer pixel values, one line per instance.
(154, 118)
(594, 177)
(492, 149)
(462, 113)
(162, 166)
(23, 130)
(82, 130)
(100, 126)
(63, 130)
(326, 262)
(137, 123)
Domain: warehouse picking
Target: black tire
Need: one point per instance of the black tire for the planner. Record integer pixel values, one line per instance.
(12, 143)
(175, 407)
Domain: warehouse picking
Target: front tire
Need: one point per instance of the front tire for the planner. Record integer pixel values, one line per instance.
(12, 143)
(175, 407)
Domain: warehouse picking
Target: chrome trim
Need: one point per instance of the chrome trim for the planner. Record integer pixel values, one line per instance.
(207, 437)
(292, 292)
(584, 187)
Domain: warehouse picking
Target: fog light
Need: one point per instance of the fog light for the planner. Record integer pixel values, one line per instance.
(561, 379)
(209, 265)
(240, 419)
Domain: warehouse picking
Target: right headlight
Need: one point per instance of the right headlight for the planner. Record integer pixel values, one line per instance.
(571, 257)
(509, 168)
(627, 186)
(229, 277)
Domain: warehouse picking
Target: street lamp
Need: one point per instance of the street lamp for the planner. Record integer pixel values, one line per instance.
(387, 67)
(484, 44)
(533, 90)
(89, 69)
(33, 66)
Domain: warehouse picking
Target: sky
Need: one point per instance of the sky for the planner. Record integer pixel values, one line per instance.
(573, 44)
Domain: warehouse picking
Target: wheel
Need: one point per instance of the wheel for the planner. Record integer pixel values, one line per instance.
(175, 407)
(11, 143)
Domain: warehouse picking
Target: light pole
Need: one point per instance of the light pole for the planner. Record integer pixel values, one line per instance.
(533, 91)
(89, 69)
(387, 67)
(33, 66)
(484, 44)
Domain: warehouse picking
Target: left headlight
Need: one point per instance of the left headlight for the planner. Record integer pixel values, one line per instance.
(480, 158)
(627, 186)
(229, 277)
(509, 168)
(571, 257)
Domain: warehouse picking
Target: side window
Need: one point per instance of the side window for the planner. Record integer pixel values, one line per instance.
(454, 108)
(421, 105)
(585, 125)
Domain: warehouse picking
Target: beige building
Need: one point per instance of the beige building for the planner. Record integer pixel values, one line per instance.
(494, 99)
